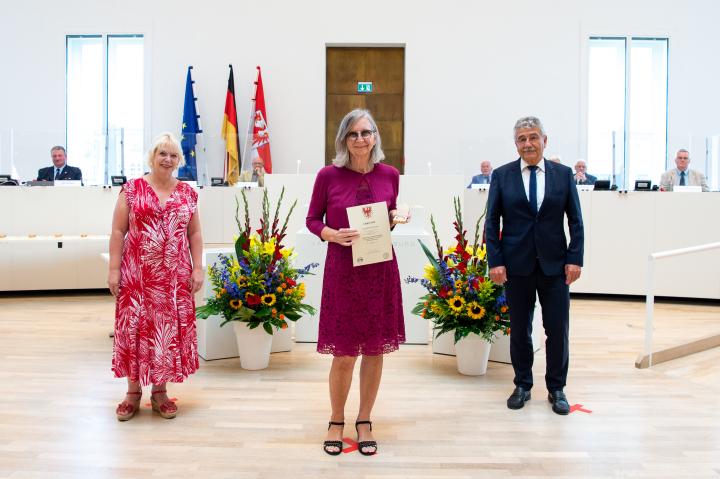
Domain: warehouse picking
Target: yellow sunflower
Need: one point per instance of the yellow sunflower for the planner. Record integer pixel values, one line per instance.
(268, 299)
(235, 303)
(430, 274)
(456, 303)
(475, 311)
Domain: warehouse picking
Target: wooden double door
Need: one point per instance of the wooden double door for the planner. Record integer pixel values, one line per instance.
(385, 68)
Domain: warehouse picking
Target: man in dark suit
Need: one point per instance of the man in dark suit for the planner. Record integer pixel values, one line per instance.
(582, 177)
(532, 196)
(60, 169)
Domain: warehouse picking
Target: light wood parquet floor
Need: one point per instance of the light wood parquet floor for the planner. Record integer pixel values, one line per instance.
(58, 399)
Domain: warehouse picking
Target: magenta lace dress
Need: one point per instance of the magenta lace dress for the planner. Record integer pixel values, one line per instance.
(361, 310)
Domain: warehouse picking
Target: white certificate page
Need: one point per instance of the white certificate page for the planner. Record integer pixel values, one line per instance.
(373, 224)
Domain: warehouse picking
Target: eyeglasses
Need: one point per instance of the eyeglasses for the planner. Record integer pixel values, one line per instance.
(355, 135)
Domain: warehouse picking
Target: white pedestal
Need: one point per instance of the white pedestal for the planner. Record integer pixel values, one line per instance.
(214, 342)
(410, 258)
(282, 340)
(310, 249)
(411, 262)
(500, 350)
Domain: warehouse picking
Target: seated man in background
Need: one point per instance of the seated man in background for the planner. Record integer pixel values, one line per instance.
(257, 173)
(581, 175)
(682, 175)
(484, 176)
(60, 169)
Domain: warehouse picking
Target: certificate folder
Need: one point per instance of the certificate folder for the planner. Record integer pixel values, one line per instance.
(373, 224)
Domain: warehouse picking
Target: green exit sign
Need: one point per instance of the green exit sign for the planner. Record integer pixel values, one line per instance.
(364, 87)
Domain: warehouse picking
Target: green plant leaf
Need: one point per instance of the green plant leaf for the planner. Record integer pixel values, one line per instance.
(268, 328)
(243, 314)
(204, 312)
(239, 245)
(433, 260)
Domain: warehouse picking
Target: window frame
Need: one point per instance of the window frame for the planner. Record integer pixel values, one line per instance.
(590, 33)
(147, 83)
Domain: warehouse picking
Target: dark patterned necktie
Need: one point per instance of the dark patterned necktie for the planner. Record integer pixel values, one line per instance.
(682, 178)
(533, 188)
(57, 173)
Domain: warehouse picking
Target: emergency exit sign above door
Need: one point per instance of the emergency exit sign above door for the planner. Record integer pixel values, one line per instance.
(364, 87)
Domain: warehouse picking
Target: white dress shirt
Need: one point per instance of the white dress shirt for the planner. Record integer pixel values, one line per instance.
(540, 174)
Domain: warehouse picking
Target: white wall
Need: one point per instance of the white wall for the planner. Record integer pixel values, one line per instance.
(472, 68)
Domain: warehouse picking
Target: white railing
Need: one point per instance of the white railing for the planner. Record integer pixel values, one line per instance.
(650, 296)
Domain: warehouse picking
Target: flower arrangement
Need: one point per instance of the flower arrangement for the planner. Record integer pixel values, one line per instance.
(258, 285)
(460, 296)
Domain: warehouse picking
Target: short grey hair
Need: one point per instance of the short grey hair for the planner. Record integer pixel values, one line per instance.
(681, 150)
(58, 147)
(342, 155)
(165, 139)
(528, 122)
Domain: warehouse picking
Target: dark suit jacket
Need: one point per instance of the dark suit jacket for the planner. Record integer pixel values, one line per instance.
(68, 173)
(589, 180)
(526, 237)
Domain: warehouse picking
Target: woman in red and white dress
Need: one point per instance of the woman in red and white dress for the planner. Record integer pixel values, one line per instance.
(155, 269)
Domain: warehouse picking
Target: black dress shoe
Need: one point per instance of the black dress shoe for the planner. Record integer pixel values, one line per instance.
(559, 403)
(518, 398)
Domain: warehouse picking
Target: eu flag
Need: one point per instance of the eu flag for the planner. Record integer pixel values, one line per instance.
(190, 128)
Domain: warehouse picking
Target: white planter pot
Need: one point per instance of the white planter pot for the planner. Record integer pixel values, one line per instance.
(253, 345)
(282, 340)
(472, 353)
(444, 344)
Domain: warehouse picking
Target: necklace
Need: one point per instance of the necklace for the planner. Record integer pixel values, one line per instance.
(366, 169)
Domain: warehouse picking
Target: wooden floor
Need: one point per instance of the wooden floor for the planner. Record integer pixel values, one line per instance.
(58, 399)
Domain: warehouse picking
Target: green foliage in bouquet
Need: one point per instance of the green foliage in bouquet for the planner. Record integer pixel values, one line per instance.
(460, 296)
(258, 285)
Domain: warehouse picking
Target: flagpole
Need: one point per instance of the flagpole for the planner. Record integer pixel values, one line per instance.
(252, 119)
(199, 135)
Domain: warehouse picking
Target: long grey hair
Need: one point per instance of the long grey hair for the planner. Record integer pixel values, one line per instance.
(342, 156)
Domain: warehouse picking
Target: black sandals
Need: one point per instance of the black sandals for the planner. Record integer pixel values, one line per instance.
(363, 444)
(337, 444)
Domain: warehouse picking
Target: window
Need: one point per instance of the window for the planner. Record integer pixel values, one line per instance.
(713, 172)
(105, 105)
(627, 108)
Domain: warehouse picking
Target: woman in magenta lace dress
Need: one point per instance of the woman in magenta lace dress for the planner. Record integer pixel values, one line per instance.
(155, 268)
(361, 310)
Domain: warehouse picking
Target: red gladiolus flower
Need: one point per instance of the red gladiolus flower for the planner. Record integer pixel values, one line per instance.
(443, 293)
(291, 282)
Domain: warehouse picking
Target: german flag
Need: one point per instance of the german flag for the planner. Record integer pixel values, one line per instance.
(230, 134)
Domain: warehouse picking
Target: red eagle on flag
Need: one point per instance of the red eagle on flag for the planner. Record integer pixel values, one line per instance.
(260, 137)
(367, 211)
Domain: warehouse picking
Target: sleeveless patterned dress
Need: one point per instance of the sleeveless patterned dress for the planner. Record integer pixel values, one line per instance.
(155, 336)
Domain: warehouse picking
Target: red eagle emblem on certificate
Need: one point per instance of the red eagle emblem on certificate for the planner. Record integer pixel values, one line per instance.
(367, 211)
